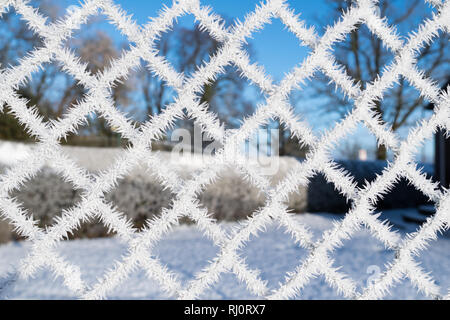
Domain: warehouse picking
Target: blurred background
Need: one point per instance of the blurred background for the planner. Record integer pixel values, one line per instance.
(232, 97)
(139, 196)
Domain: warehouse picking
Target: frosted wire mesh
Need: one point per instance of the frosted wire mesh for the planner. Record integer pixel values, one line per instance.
(319, 261)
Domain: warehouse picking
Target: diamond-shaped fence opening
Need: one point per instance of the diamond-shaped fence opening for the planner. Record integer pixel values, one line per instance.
(231, 197)
(278, 63)
(53, 90)
(95, 47)
(139, 252)
(171, 45)
(428, 261)
(284, 249)
(140, 196)
(355, 46)
(45, 196)
(190, 258)
(104, 256)
(231, 101)
(411, 113)
(360, 144)
(18, 39)
(348, 258)
(322, 104)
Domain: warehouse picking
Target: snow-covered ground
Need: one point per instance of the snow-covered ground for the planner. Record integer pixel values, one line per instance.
(186, 251)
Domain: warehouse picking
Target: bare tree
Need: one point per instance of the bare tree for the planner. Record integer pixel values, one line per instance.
(364, 57)
(187, 49)
(98, 51)
(51, 90)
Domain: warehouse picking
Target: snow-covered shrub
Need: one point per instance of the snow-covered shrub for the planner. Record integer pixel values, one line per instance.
(140, 195)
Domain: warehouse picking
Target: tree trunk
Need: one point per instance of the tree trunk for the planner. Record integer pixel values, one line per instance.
(381, 152)
(381, 149)
(282, 142)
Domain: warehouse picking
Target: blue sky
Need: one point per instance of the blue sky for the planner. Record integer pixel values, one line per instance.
(276, 62)
(275, 47)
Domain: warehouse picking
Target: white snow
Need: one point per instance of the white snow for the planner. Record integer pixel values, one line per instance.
(185, 251)
(11, 152)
